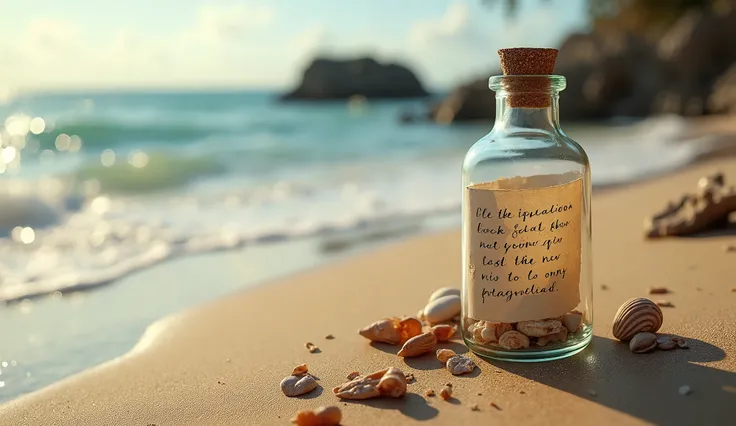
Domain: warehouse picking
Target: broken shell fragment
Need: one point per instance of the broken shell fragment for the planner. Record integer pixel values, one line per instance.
(635, 316)
(420, 315)
(322, 416)
(442, 309)
(682, 343)
(444, 354)
(446, 392)
(476, 329)
(409, 327)
(539, 328)
(384, 330)
(360, 387)
(643, 342)
(460, 365)
(666, 345)
(299, 370)
(311, 347)
(418, 345)
(442, 292)
(560, 336)
(572, 321)
(444, 332)
(393, 383)
(298, 385)
(492, 331)
(353, 375)
(513, 340)
(389, 382)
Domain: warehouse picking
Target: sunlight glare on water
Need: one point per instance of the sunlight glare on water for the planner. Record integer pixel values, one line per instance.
(107, 158)
(37, 125)
(138, 159)
(62, 142)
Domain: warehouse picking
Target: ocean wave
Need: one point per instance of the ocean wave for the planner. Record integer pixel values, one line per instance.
(79, 256)
(106, 134)
(161, 171)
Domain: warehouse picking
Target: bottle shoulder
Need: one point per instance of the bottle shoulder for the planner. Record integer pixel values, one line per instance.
(525, 144)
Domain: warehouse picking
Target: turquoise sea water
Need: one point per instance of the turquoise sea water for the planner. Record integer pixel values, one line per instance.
(95, 187)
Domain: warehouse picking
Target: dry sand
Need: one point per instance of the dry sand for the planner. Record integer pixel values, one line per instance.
(222, 363)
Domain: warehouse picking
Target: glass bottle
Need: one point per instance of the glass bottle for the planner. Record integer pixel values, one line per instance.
(527, 295)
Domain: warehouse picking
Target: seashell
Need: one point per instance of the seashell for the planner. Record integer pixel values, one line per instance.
(560, 336)
(385, 330)
(298, 385)
(361, 387)
(392, 383)
(409, 327)
(442, 292)
(539, 328)
(572, 321)
(643, 342)
(666, 345)
(476, 329)
(494, 330)
(460, 365)
(299, 370)
(322, 416)
(443, 332)
(442, 309)
(513, 340)
(634, 316)
(418, 345)
(680, 342)
(446, 392)
(444, 354)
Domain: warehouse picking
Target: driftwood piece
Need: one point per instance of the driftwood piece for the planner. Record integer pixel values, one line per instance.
(692, 213)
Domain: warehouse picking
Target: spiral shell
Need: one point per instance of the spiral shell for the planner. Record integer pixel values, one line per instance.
(634, 316)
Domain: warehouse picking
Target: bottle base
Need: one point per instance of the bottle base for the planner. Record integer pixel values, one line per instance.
(533, 355)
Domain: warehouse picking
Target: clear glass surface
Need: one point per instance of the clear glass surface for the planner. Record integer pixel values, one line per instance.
(529, 142)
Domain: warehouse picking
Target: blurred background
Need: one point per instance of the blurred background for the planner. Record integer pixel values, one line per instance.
(242, 140)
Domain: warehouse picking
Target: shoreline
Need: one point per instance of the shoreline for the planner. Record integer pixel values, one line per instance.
(190, 334)
(324, 251)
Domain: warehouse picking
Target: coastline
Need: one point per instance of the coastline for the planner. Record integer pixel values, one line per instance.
(184, 362)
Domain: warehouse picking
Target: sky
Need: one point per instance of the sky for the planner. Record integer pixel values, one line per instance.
(93, 44)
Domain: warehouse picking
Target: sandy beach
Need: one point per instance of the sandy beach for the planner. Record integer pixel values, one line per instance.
(221, 363)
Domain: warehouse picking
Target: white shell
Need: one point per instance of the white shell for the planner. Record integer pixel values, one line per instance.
(444, 291)
(442, 309)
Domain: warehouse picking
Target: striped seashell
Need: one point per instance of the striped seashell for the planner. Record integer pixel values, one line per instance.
(634, 316)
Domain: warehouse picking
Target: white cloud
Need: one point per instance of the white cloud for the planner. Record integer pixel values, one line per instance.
(46, 39)
(312, 39)
(452, 24)
(232, 22)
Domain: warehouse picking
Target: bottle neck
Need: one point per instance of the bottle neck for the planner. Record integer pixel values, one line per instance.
(510, 117)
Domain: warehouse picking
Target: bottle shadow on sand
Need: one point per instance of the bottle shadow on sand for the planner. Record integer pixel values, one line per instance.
(642, 385)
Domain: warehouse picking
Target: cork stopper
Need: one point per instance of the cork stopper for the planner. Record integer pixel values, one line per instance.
(527, 92)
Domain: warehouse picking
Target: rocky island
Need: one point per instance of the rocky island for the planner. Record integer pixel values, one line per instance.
(326, 79)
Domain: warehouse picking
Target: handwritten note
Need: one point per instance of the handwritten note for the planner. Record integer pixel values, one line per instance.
(523, 243)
